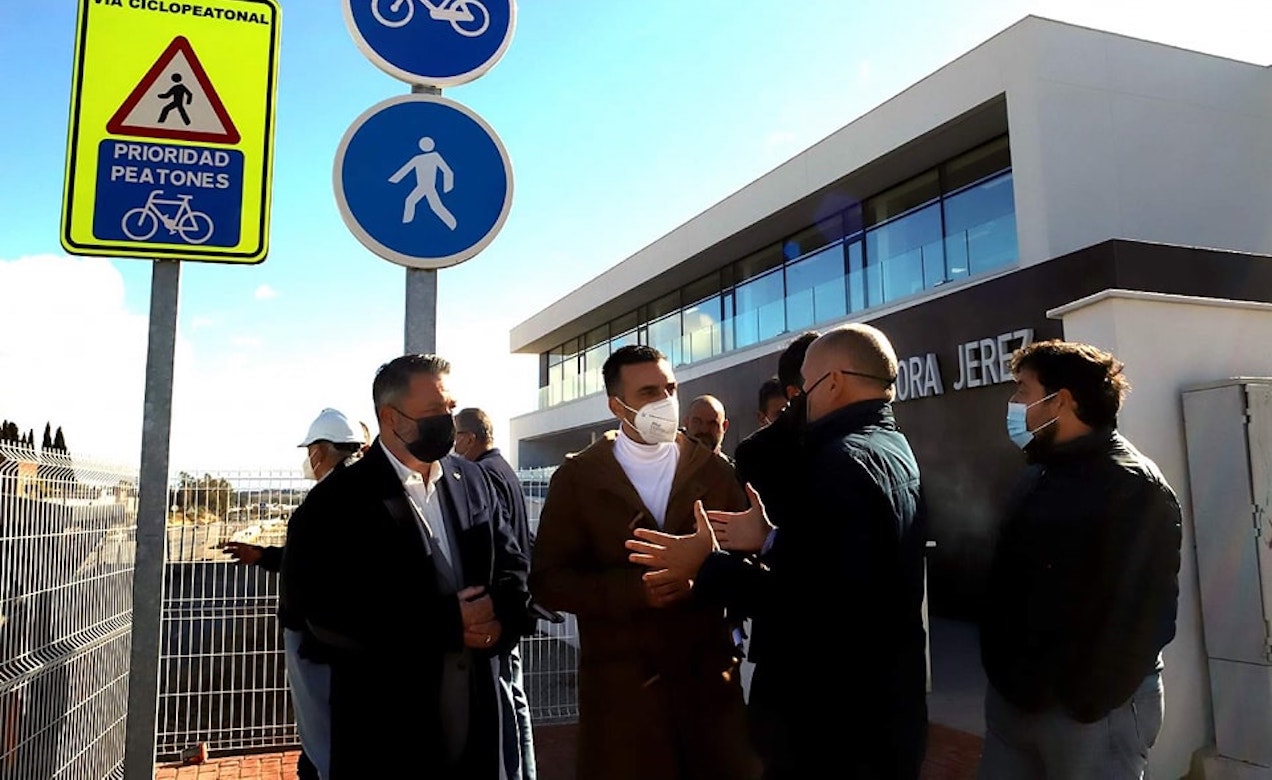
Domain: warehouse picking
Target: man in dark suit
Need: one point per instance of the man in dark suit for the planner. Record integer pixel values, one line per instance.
(841, 577)
(475, 440)
(415, 627)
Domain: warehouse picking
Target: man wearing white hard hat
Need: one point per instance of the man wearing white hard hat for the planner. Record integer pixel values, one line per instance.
(332, 443)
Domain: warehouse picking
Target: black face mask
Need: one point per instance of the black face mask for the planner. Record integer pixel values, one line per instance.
(434, 436)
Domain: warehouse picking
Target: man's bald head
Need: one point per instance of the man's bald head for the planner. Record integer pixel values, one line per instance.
(706, 421)
(856, 362)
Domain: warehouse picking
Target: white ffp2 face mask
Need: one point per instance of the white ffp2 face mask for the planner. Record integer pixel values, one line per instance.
(657, 422)
(308, 469)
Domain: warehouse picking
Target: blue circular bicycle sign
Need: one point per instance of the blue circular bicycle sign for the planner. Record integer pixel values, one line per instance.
(422, 181)
(438, 42)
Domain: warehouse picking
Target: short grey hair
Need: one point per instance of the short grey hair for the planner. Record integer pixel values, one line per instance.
(476, 422)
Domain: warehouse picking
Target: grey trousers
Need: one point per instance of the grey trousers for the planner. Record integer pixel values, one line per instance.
(518, 742)
(1050, 745)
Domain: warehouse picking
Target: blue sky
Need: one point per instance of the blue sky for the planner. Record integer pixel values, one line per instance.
(622, 120)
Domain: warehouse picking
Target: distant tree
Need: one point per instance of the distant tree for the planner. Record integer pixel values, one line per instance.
(47, 444)
(59, 443)
(211, 494)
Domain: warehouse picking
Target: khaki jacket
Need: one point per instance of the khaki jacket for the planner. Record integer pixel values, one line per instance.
(659, 693)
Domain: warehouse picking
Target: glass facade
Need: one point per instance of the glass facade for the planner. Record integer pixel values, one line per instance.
(949, 223)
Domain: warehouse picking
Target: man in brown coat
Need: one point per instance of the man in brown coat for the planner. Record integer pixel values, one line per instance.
(659, 694)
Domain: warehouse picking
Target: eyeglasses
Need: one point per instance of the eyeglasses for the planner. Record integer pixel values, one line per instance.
(887, 381)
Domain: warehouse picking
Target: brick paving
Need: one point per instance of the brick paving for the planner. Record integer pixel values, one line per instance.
(951, 755)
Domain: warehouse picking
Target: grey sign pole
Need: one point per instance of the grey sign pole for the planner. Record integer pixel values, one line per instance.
(421, 289)
(152, 514)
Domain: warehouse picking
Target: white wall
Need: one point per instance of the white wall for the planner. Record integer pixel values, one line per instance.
(1169, 343)
(1114, 137)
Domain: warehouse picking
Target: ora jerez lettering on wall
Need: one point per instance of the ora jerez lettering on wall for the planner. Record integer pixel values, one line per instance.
(981, 362)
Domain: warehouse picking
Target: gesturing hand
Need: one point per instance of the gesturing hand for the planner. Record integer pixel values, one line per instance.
(675, 560)
(481, 627)
(243, 552)
(742, 531)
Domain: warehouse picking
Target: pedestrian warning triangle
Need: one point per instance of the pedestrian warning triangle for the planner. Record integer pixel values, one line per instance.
(175, 100)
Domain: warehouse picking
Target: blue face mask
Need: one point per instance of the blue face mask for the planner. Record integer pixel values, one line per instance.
(1018, 428)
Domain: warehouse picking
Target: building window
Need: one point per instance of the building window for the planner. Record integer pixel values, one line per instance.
(901, 253)
(760, 309)
(704, 330)
(980, 227)
(950, 222)
(664, 336)
(815, 289)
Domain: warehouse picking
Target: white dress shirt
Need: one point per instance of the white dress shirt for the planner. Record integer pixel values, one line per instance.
(426, 501)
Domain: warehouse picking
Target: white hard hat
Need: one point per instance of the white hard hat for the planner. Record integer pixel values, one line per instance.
(331, 425)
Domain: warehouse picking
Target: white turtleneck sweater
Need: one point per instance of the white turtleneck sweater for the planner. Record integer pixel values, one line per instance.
(651, 469)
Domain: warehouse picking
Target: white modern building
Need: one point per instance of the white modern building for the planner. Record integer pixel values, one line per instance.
(1055, 181)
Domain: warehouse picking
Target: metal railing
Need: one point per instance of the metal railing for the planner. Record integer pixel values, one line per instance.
(222, 672)
(67, 535)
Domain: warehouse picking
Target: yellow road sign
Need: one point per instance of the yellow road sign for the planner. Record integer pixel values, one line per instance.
(170, 147)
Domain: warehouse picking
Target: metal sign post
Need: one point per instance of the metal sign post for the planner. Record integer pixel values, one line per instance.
(152, 525)
(420, 180)
(169, 156)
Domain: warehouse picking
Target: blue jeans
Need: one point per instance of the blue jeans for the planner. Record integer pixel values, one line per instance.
(518, 745)
(311, 700)
(1050, 745)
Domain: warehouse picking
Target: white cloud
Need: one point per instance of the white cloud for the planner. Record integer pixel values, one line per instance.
(199, 323)
(72, 354)
(265, 293)
(248, 342)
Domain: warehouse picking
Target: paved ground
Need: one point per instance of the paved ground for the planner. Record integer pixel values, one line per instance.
(954, 739)
(952, 755)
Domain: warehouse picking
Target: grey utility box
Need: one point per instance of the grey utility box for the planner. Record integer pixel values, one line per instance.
(1229, 435)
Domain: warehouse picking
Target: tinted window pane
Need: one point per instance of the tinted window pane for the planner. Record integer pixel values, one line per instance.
(593, 362)
(571, 385)
(703, 288)
(760, 309)
(901, 249)
(624, 323)
(980, 227)
(704, 336)
(664, 305)
(664, 336)
(764, 260)
(903, 197)
(815, 289)
(814, 238)
(856, 278)
(980, 162)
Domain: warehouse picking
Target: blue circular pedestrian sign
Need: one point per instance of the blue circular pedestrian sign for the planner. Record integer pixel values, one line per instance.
(439, 42)
(422, 181)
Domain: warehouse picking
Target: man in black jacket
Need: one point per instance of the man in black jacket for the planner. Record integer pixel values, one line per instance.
(475, 440)
(1084, 580)
(415, 630)
(332, 443)
(841, 578)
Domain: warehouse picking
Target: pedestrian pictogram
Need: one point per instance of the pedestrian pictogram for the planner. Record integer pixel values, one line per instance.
(423, 181)
(426, 167)
(175, 100)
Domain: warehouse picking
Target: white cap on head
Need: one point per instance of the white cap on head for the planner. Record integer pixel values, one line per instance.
(331, 425)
